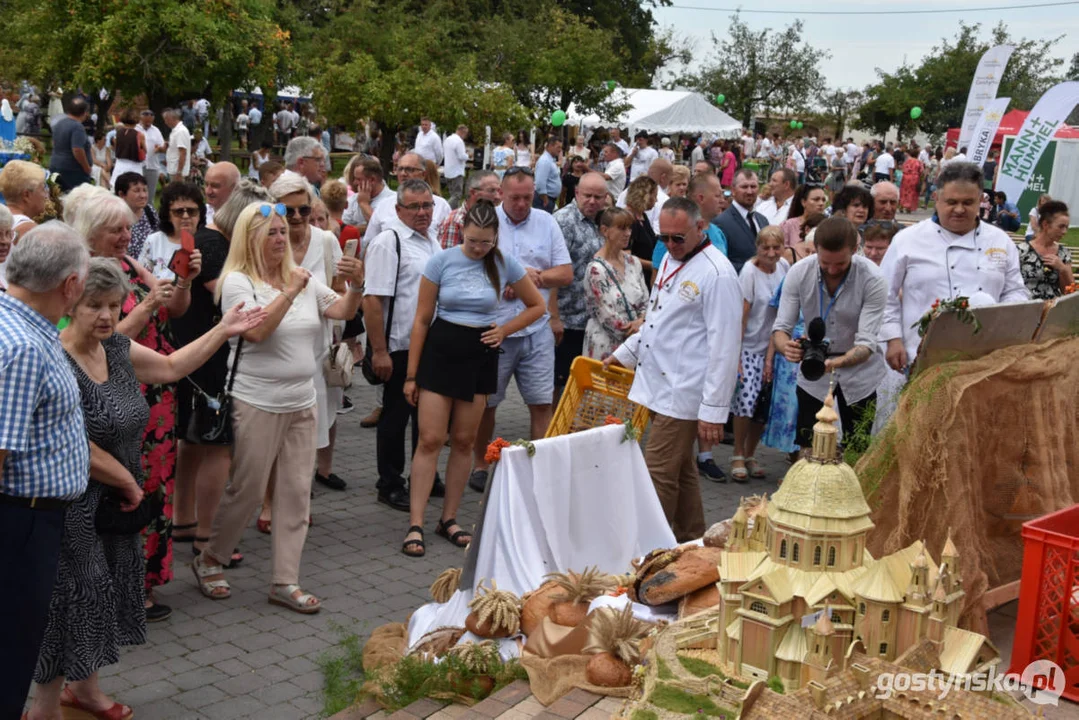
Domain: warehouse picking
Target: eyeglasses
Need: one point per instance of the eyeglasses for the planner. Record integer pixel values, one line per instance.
(474, 241)
(415, 207)
(184, 211)
(519, 170)
(409, 169)
(265, 209)
(303, 210)
(319, 158)
(668, 238)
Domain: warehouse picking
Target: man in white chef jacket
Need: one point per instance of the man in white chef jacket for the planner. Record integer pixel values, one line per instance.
(953, 254)
(686, 360)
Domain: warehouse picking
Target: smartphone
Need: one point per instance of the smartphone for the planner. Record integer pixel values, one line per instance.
(351, 246)
(187, 241)
(181, 262)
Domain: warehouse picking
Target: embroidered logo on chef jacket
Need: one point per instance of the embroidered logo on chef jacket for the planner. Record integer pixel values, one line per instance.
(997, 258)
(688, 291)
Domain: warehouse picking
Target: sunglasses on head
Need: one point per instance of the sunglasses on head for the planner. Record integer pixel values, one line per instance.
(302, 211)
(519, 170)
(279, 208)
(666, 238)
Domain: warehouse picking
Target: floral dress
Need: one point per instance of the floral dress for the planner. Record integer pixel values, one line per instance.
(1042, 281)
(159, 440)
(144, 228)
(912, 178)
(613, 303)
(781, 431)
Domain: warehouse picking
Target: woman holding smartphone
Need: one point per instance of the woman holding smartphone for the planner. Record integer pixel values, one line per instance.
(453, 362)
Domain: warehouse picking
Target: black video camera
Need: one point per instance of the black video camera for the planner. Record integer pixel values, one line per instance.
(814, 350)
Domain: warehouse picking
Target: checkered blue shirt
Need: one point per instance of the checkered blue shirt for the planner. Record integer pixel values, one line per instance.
(41, 423)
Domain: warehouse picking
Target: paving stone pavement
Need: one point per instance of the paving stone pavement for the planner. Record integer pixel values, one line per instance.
(243, 657)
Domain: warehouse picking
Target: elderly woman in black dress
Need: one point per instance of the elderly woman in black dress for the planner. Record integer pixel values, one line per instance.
(97, 604)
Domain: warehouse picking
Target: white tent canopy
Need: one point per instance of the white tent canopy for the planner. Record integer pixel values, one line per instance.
(663, 112)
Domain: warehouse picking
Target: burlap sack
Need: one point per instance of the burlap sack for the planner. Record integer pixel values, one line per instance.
(979, 446)
(551, 678)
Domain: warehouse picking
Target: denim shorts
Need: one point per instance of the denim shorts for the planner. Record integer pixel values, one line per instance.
(530, 359)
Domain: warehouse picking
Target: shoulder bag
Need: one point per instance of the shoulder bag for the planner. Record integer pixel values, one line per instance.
(365, 365)
(337, 367)
(111, 519)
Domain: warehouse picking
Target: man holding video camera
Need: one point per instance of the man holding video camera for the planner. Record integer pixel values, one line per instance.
(841, 296)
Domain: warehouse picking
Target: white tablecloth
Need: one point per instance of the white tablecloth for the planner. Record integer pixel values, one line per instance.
(582, 499)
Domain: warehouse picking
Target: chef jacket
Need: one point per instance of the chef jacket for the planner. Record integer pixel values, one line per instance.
(926, 262)
(686, 353)
(851, 317)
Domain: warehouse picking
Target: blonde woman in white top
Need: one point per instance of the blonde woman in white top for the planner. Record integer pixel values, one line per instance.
(273, 406)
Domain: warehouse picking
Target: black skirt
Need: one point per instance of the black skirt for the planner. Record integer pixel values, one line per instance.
(456, 363)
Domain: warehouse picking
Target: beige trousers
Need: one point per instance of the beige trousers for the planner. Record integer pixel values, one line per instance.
(673, 467)
(277, 445)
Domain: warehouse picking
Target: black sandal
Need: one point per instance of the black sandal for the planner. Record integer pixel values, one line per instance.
(186, 538)
(418, 543)
(443, 527)
(234, 561)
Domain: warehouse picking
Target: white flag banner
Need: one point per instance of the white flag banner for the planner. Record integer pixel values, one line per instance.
(1038, 129)
(983, 89)
(986, 130)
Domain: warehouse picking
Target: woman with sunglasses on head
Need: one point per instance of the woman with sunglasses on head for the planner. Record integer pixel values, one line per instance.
(453, 362)
(273, 397)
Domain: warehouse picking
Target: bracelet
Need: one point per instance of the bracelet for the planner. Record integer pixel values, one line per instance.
(181, 286)
(290, 300)
(355, 288)
(410, 379)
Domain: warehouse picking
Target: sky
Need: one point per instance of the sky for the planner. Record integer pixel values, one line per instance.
(861, 43)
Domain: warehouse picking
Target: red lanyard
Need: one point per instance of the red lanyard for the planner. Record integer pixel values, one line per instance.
(664, 280)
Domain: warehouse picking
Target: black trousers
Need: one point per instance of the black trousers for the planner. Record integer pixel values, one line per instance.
(809, 406)
(390, 438)
(565, 353)
(29, 555)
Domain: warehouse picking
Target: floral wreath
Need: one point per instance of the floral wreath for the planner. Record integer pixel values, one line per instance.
(960, 306)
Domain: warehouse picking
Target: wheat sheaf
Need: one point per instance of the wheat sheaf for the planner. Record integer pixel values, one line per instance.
(445, 585)
(619, 633)
(584, 586)
(501, 607)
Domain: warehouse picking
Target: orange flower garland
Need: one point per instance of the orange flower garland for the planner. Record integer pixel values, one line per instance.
(494, 450)
(612, 420)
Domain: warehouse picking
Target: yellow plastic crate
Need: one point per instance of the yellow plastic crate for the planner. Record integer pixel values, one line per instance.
(592, 393)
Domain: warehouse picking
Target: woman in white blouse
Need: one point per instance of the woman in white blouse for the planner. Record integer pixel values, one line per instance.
(273, 397)
(760, 278)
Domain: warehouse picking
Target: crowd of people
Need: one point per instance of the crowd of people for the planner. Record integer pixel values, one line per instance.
(170, 369)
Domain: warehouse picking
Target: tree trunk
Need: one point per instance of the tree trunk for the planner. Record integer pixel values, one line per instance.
(386, 148)
(224, 131)
(103, 107)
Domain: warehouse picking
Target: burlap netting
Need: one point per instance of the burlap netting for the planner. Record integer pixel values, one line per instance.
(979, 446)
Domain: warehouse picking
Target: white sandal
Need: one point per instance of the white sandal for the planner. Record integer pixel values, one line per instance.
(209, 588)
(282, 595)
(754, 468)
(741, 474)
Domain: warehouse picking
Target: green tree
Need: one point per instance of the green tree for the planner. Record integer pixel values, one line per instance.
(761, 71)
(837, 107)
(173, 50)
(940, 83)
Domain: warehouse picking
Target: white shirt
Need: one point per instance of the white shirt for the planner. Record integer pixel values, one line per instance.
(642, 160)
(202, 108)
(429, 146)
(153, 138)
(241, 121)
(748, 146)
(617, 170)
(622, 145)
(255, 116)
(758, 288)
(284, 121)
(799, 156)
(537, 243)
(926, 262)
(829, 150)
(384, 269)
(686, 353)
(275, 375)
(314, 261)
(386, 213)
(156, 254)
(959, 157)
(923, 157)
(653, 214)
(696, 155)
(776, 214)
(766, 145)
(353, 214)
(178, 138)
(852, 152)
(885, 164)
(453, 150)
(295, 118)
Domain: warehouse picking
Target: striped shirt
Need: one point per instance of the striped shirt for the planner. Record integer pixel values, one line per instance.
(41, 422)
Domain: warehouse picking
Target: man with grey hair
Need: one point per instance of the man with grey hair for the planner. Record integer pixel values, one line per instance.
(44, 455)
(482, 185)
(409, 167)
(178, 147)
(885, 200)
(686, 358)
(395, 262)
(221, 180)
(456, 159)
(306, 156)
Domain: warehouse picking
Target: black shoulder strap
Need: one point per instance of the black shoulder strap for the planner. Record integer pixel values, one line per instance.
(239, 346)
(396, 279)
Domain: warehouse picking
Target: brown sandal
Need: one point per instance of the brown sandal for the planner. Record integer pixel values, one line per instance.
(422, 548)
(443, 530)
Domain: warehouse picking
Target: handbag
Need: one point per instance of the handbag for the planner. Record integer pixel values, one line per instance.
(337, 367)
(111, 519)
(763, 406)
(211, 415)
(366, 369)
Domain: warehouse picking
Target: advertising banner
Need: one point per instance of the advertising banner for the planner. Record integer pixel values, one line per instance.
(983, 89)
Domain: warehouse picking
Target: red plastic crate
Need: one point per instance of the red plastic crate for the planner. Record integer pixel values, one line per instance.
(1048, 623)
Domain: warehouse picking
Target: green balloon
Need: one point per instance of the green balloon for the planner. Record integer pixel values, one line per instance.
(611, 84)
(721, 98)
(800, 125)
(915, 113)
(794, 124)
(558, 118)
